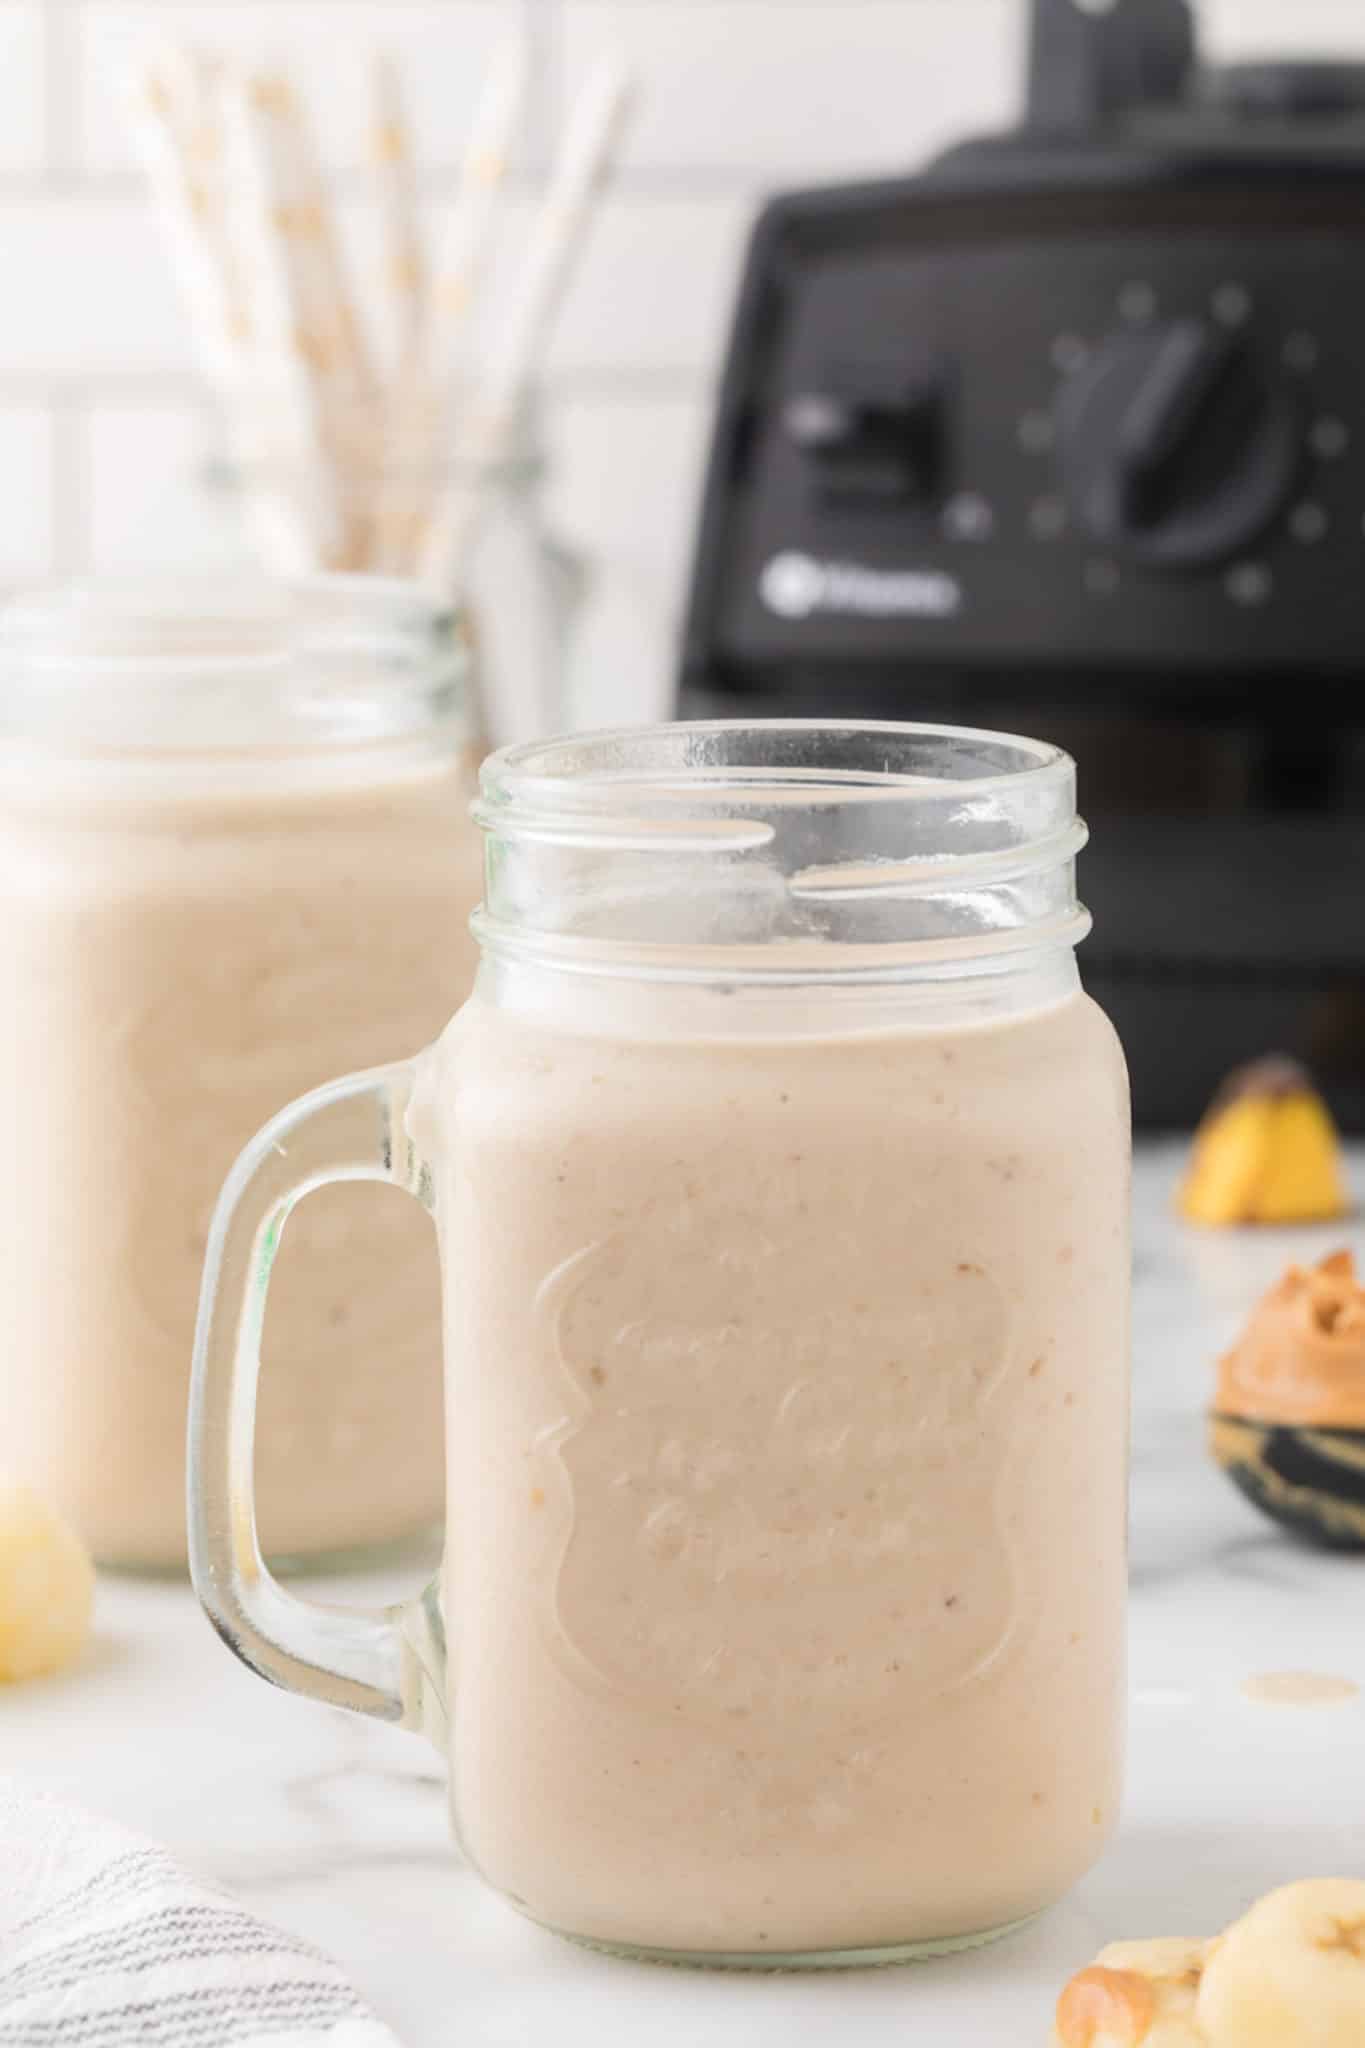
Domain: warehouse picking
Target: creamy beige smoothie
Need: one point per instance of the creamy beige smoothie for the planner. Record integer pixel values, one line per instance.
(181, 958)
(788, 1380)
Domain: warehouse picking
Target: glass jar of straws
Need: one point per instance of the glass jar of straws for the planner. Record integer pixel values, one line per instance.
(522, 588)
(385, 437)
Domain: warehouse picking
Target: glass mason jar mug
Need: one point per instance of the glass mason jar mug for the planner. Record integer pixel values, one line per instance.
(234, 855)
(780, 1173)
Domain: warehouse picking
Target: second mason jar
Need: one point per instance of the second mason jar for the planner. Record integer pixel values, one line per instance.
(780, 1167)
(234, 854)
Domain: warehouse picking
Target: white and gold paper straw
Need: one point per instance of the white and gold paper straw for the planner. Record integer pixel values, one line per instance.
(179, 143)
(591, 140)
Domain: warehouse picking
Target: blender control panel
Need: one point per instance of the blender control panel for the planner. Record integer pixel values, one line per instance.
(1082, 443)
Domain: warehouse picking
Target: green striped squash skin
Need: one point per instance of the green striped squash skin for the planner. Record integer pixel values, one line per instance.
(1311, 1481)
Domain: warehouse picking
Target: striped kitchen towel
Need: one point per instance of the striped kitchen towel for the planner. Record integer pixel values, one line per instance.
(106, 1942)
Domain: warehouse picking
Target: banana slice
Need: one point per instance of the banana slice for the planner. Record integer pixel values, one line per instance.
(1292, 1973)
(47, 1587)
(1138, 1994)
(1266, 1151)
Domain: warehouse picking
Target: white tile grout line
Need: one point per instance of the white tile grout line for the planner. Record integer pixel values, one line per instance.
(350, 182)
(264, 6)
(63, 392)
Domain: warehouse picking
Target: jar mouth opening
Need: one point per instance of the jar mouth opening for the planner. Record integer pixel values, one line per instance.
(792, 849)
(207, 663)
(704, 779)
(202, 622)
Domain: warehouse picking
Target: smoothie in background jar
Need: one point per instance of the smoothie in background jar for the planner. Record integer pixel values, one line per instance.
(235, 855)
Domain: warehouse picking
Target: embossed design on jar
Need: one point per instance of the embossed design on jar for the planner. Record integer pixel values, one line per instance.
(754, 1502)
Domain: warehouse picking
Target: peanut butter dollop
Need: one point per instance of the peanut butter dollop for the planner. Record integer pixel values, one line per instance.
(1301, 1357)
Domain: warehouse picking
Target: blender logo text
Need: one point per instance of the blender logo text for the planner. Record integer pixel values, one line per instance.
(796, 586)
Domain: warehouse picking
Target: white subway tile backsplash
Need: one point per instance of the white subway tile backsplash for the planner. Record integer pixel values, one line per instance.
(22, 139)
(651, 293)
(800, 93)
(441, 47)
(737, 97)
(625, 483)
(151, 502)
(655, 286)
(623, 663)
(88, 289)
(25, 493)
(1309, 28)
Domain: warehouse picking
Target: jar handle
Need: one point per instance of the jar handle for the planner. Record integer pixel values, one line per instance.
(389, 1662)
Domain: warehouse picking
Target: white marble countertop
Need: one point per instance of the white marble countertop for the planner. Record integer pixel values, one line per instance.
(336, 1827)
